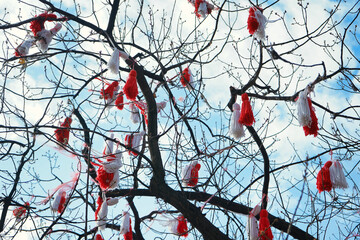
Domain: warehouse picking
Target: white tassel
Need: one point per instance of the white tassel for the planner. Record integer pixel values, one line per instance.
(136, 140)
(112, 201)
(113, 63)
(135, 115)
(109, 145)
(304, 115)
(56, 203)
(203, 9)
(260, 32)
(236, 129)
(23, 48)
(186, 174)
(125, 226)
(102, 216)
(46, 36)
(252, 225)
(124, 55)
(337, 176)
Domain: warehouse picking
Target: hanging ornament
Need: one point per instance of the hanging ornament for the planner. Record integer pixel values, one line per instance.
(98, 237)
(108, 172)
(246, 114)
(63, 191)
(23, 49)
(264, 226)
(119, 102)
(45, 37)
(142, 106)
(236, 129)
(62, 134)
(132, 141)
(101, 216)
(113, 63)
(20, 212)
(190, 174)
(130, 89)
(187, 79)
(306, 113)
(178, 226)
(134, 113)
(125, 228)
(39, 24)
(331, 176)
(110, 92)
(252, 226)
(257, 23)
(202, 7)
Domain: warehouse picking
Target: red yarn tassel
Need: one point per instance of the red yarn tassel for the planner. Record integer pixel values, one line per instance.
(129, 234)
(313, 128)
(185, 77)
(119, 103)
(264, 226)
(104, 178)
(246, 114)
(61, 134)
(182, 229)
(99, 202)
(61, 206)
(99, 237)
(252, 22)
(323, 180)
(108, 93)
(194, 175)
(38, 25)
(128, 142)
(130, 89)
(20, 212)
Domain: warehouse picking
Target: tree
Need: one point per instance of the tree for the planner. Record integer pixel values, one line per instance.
(60, 88)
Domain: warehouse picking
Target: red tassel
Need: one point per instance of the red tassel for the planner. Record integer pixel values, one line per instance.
(185, 77)
(200, 9)
(99, 202)
(252, 22)
(323, 180)
(38, 25)
(130, 89)
(128, 143)
(129, 234)
(194, 175)
(119, 103)
(104, 178)
(313, 128)
(246, 114)
(264, 226)
(61, 134)
(20, 212)
(108, 93)
(99, 237)
(182, 228)
(61, 206)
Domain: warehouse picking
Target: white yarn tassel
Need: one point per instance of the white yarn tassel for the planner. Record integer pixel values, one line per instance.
(102, 216)
(252, 226)
(109, 146)
(46, 37)
(135, 115)
(125, 226)
(304, 115)
(203, 9)
(236, 129)
(113, 63)
(260, 32)
(136, 140)
(23, 48)
(337, 176)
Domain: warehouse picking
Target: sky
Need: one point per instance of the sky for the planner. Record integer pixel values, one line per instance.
(287, 142)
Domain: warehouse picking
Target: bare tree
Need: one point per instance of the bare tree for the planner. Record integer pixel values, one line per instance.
(184, 117)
